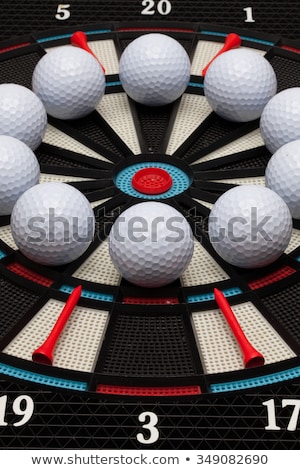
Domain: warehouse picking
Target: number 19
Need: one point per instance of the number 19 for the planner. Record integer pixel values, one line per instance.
(22, 406)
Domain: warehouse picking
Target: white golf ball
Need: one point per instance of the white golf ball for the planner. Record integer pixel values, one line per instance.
(250, 226)
(154, 69)
(151, 244)
(69, 81)
(238, 85)
(280, 120)
(52, 223)
(22, 114)
(19, 170)
(283, 175)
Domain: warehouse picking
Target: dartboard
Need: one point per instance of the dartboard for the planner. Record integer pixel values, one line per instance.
(137, 367)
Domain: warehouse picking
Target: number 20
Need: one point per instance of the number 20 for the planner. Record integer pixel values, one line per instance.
(163, 7)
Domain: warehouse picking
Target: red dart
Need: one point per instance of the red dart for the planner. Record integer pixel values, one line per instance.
(252, 357)
(79, 39)
(44, 354)
(232, 41)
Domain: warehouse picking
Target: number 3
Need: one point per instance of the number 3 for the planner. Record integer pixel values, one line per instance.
(150, 426)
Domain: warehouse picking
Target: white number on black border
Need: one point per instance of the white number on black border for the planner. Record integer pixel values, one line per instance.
(293, 421)
(150, 426)
(22, 406)
(249, 15)
(163, 7)
(63, 13)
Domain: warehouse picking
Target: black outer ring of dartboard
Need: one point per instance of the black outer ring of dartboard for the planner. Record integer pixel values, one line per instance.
(198, 378)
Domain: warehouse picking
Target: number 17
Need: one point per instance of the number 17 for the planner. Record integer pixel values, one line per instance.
(272, 425)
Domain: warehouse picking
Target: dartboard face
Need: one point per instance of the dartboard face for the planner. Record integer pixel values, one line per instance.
(130, 355)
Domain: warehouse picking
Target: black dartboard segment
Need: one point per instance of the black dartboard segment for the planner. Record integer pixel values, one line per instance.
(128, 350)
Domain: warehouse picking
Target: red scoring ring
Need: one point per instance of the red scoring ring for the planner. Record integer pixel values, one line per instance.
(152, 181)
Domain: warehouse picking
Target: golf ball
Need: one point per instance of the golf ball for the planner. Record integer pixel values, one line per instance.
(69, 81)
(151, 244)
(283, 175)
(19, 170)
(250, 226)
(154, 69)
(238, 84)
(279, 123)
(22, 114)
(52, 223)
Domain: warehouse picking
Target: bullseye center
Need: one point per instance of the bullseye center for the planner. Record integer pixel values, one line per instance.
(152, 181)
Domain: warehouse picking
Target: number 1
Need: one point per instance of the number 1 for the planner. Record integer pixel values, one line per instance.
(249, 15)
(272, 426)
(3, 403)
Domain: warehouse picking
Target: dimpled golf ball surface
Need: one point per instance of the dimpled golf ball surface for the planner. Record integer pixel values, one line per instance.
(19, 170)
(69, 81)
(22, 114)
(280, 119)
(151, 244)
(283, 175)
(154, 69)
(238, 84)
(250, 226)
(52, 223)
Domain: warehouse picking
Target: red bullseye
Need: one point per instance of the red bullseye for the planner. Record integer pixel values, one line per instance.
(152, 181)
